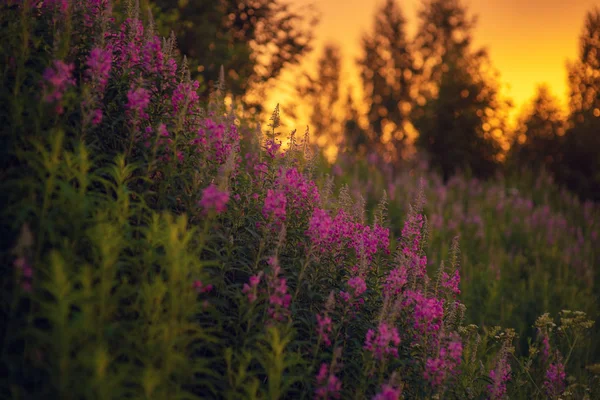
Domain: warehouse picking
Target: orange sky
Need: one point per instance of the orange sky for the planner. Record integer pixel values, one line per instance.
(529, 41)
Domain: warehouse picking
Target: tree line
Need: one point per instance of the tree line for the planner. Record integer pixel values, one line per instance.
(434, 91)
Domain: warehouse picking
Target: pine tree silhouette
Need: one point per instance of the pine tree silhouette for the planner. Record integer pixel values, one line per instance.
(581, 169)
(320, 94)
(355, 138)
(387, 72)
(539, 136)
(458, 117)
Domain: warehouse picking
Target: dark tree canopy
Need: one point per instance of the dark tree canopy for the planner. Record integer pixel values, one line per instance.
(458, 117)
(581, 169)
(539, 134)
(321, 92)
(253, 39)
(387, 73)
(355, 138)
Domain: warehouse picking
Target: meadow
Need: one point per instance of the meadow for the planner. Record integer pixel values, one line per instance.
(160, 248)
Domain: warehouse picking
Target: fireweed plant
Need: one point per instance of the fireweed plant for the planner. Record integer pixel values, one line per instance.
(527, 247)
(156, 248)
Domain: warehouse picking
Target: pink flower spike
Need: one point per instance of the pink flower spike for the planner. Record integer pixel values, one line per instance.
(99, 63)
(214, 199)
(137, 101)
(57, 80)
(388, 393)
(250, 289)
(555, 379)
(328, 385)
(383, 342)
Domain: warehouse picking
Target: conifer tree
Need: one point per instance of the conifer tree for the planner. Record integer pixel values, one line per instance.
(387, 72)
(355, 138)
(581, 169)
(539, 134)
(320, 93)
(459, 114)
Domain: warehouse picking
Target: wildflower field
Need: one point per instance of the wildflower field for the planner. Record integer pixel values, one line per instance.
(155, 247)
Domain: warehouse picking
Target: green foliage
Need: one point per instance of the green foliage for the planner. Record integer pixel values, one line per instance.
(253, 40)
(112, 306)
(527, 246)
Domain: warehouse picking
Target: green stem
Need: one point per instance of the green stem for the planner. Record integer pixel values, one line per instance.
(301, 275)
(571, 350)
(527, 372)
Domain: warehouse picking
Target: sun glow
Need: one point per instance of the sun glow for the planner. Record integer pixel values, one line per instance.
(528, 42)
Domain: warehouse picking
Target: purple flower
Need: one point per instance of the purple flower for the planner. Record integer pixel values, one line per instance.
(24, 273)
(201, 288)
(99, 63)
(302, 193)
(358, 284)
(137, 101)
(427, 313)
(383, 342)
(97, 116)
(57, 79)
(250, 288)
(395, 281)
(357, 287)
(214, 199)
(215, 141)
(324, 327)
(96, 12)
(411, 244)
(279, 298)
(162, 130)
(272, 148)
(152, 56)
(388, 392)
(451, 282)
(274, 207)
(319, 227)
(555, 379)
(328, 385)
(545, 348)
(185, 96)
(445, 364)
(260, 169)
(331, 235)
(500, 376)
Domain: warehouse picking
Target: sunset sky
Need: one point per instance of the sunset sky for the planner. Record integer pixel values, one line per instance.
(529, 41)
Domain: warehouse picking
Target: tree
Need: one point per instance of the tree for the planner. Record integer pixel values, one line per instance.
(253, 39)
(539, 134)
(581, 169)
(459, 115)
(387, 71)
(321, 93)
(355, 138)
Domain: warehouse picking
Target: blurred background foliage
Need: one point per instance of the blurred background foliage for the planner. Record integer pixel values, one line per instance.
(433, 93)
